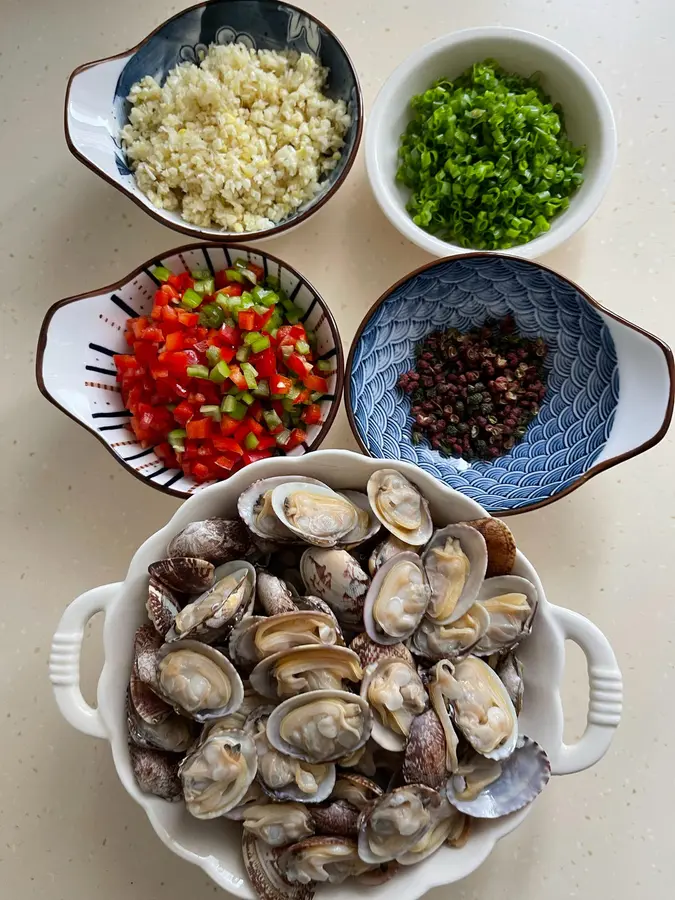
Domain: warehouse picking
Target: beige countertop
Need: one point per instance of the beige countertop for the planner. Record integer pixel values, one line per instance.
(71, 517)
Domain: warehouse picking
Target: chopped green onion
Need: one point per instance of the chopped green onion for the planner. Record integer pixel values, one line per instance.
(242, 354)
(220, 372)
(251, 337)
(251, 441)
(197, 372)
(228, 404)
(176, 439)
(239, 411)
(302, 347)
(263, 389)
(212, 411)
(161, 273)
(250, 373)
(213, 355)
(283, 437)
(261, 344)
(234, 275)
(272, 420)
(205, 286)
(246, 301)
(191, 299)
(247, 398)
(324, 365)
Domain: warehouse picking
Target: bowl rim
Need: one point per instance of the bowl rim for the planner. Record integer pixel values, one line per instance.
(595, 469)
(193, 230)
(543, 243)
(143, 268)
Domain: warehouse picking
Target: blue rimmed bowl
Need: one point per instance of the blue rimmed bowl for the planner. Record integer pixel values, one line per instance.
(96, 107)
(80, 335)
(610, 384)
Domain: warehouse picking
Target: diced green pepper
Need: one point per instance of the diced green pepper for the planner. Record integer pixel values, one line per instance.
(266, 297)
(294, 392)
(324, 365)
(263, 389)
(200, 274)
(316, 396)
(197, 372)
(212, 411)
(272, 420)
(234, 275)
(250, 373)
(287, 403)
(176, 439)
(251, 441)
(242, 354)
(161, 273)
(191, 299)
(247, 398)
(211, 316)
(239, 411)
(272, 282)
(261, 344)
(205, 286)
(220, 372)
(283, 437)
(302, 347)
(251, 337)
(213, 355)
(246, 300)
(228, 404)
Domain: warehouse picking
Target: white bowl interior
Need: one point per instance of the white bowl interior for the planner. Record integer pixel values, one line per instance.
(215, 845)
(588, 119)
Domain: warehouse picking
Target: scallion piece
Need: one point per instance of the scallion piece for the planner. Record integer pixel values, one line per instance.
(191, 299)
(161, 273)
(197, 372)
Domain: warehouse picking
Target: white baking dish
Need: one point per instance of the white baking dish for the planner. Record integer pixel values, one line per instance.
(215, 846)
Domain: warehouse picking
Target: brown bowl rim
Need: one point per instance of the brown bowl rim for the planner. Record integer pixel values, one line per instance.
(109, 288)
(193, 230)
(595, 469)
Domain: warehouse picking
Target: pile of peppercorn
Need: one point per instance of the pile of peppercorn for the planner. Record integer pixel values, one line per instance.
(474, 394)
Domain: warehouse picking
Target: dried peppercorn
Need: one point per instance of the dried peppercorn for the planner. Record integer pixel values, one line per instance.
(474, 393)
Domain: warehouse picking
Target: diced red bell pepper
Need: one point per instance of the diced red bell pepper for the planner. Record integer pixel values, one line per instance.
(263, 318)
(156, 313)
(264, 363)
(230, 335)
(227, 445)
(258, 271)
(299, 365)
(311, 415)
(278, 408)
(251, 456)
(237, 378)
(303, 397)
(161, 298)
(141, 434)
(201, 473)
(230, 290)
(297, 437)
(226, 462)
(178, 361)
(246, 319)
(146, 354)
(205, 450)
(279, 384)
(254, 426)
(169, 314)
(189, 319)
(191, 448)
(125, 362)
(266, 441)
(315, 383)
(255, 410)
(227, 354)
(170, 291)
(199, 428)
(174, 341)
(243, 429)
(152, 333)
(183, 413)
(228, 425)
(181, 282)
(181, 392)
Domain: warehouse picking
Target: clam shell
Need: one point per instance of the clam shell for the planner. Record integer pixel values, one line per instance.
(322, 530)
(241, 643)
(147, 643)
(440, 707)
(411, 808)
(254, 796)
(453, 641)
(336, 818)
(369, 651)
(274, 595)
(524, 775)
(473, 546)
(448, 823)
(211, 616)
(316, 604)
(336, 577)
(311, 860)
(257, 512)
(356, 790)
(288, 630)
(368, 524)
(390, 494)
(403, 620)
(510, 670)
(385, 551)
(173, 733)
(149, 706)
(197, 709)
(208, 791)
(186, 574)
(260, 862)
(508, 624)
(314, 667)
(424, 760)
(278, 824)
(162, 606)
(313, 705)
(216, 540)
(501, 545)
(156, 772)
(392, 701)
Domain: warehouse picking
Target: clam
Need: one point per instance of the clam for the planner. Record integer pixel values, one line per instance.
(487, 789)
(482, 708)
(288, 630)
(501, 545)
(241, 643)
(315, 513)
(313, 667)
(198, 681)
(255, 508)
(356, 790)
(212, 615)
(336, 577)
(314, 603)
(278, 824)
(321, 859)
(454, 562)
(396, 600)
(320, 726)
(251, 703)
(395, 692)
(511, 603)
(274, 595)
(147, 643)
(284, 777)
(186, 574)
(394, 824)
(147, 704)
(173, 734)
(424, 760)
(369, 651)
(367, 525)
(217, 773)
(260, 862)
(448, 824)
(452, 641)
(385, 551)
(439, 688)
(156, 772)
(162, 606)
(400, 507)
(216, 540)
(510, 670)
(254, 796)
(337, 818)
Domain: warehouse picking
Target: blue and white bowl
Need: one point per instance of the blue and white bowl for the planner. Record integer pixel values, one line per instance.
(80, 335)
(610, 384)
(97, 109)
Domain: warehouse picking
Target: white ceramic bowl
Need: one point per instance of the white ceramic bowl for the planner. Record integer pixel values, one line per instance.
(215, 847)
(588, 117)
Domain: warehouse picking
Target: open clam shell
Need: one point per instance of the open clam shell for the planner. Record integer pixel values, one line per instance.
(321, 859)
(452, 641)
(162, 606)
(500, 543)
(336, 578)
(274, 595)
(394, 824)
(295, 629)
(510, 670)
(400, 506)
(395, 693)
(321, 726)
(156, 772)
(387, 550)
(454, 561)
(369, 651)
(278, 824)
(356, 790)
(313, 667)
(198, 680)
(511, 603)
(315, 513)
(241, 643)
(337, 818)
(185, 574)
(367, 525)
(217, 773)
(261, 864)
(424, 760)
(216, 540)
(174, 734)
(515, 782)
(255, 508)
(397, 599)
(447, 823)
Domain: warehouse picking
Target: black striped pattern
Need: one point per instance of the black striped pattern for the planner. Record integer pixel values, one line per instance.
(111, 415)
(264, 259)
(157, 472)
(329, 354)
(101, 371)
(208, 262)
(138, 455)
(173, 480)
(124, 306)
(99, 349)
(148, 272)
(296, 290)
(110, 427)
(308, 311)
(228, 257)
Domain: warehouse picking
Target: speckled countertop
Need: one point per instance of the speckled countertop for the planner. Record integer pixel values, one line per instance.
(70, 518)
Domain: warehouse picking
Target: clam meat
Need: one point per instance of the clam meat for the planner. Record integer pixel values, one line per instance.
(215, 612)
(217, 773)
(289, 630)
(315, 513)
(314, 667)
(397, 600)
(278, 824)
(454, 562)
(400, 507)
(322, 859)
(198, 681)
(394, 824)
(452, 641)
(394, 691)
(510, 602)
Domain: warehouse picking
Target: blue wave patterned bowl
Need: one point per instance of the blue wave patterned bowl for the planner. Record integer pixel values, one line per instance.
(610, 384)
(96, 106)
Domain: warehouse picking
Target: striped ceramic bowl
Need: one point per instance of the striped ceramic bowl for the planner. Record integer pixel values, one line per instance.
(80, 335)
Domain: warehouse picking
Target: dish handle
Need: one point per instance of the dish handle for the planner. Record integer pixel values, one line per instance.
(64, 659)
(606, 695)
